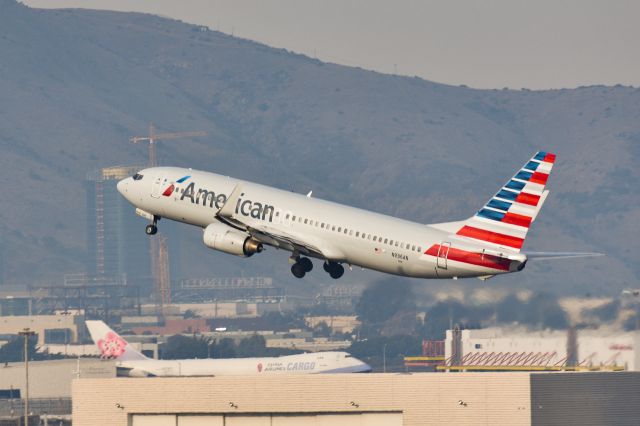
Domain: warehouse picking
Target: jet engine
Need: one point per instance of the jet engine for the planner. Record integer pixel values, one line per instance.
(228, 240)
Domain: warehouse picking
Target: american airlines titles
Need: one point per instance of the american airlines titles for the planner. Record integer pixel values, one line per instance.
(247, 208)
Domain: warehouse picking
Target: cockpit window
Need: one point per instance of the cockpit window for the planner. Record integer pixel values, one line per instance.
(137, 176)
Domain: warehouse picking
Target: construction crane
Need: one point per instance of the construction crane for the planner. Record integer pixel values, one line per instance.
(153, 137)
(158, 250)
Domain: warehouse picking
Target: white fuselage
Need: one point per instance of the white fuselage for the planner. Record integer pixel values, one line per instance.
(349, 235)
(309, 363)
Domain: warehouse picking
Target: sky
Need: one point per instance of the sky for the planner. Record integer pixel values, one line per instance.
(537, 44)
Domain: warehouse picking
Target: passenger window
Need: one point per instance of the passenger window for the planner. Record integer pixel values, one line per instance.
(385, 240)
(364, 236)
(277, 214)
(322, 225)
(396, 244)
(287, 217)
(305, 221)
(390, 242)
(375, 238)
(368, 236)
(420, 249)
(345, 230)
(408, 246)
(413, 247)
(333, 228)
(357, 233)
(339, 228)
(293, 218)
(351, 232)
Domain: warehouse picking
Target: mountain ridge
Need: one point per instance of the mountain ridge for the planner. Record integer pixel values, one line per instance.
(77, 84)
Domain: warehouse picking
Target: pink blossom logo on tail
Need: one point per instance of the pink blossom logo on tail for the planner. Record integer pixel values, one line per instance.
(112, 346)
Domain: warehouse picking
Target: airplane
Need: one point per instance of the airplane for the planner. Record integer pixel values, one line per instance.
(241, 218)
(131, 363)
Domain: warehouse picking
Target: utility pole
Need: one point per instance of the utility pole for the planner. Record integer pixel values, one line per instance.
(384, 358)
(26, 333)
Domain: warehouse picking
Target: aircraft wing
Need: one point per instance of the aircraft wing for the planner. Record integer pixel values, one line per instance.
(294, 241)
(543, 255)
(289, 240)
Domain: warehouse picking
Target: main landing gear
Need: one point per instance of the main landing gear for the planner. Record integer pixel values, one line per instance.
(335, 270)
(301, 266)
(152, 228)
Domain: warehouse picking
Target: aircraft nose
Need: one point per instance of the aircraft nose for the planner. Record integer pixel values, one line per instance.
(122, 186)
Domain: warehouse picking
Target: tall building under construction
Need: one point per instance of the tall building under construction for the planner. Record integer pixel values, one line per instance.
(116, 241)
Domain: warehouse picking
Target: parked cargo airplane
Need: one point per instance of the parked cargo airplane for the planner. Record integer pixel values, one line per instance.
(134, 364)
(240, 218)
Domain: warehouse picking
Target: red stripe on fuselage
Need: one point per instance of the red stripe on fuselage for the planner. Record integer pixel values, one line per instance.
(492, 237)
(517, 219)
(472, 258)
(526, 198)
(168, 191)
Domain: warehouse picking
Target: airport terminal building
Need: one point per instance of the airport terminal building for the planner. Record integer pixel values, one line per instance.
(500, 398)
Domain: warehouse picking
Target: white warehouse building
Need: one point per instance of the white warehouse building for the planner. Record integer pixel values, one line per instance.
(522, 348)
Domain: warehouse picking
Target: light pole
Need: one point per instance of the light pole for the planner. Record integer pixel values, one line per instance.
(26, 333)
(384, 358)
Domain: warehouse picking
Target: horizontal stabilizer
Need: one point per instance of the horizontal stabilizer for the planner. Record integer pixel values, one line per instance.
(544, 255)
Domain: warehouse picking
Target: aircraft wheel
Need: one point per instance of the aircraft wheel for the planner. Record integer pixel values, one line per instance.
(306, 264)
(326, 267)
(297, 270)
(151, 229)
(337, 271)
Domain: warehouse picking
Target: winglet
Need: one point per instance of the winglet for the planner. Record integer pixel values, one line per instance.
(227, 210)
(110, 344)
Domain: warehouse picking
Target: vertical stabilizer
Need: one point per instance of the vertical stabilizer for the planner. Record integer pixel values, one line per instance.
(110, 344)
(505, 219)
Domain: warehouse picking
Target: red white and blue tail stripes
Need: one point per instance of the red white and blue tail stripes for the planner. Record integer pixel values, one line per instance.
(505, 219)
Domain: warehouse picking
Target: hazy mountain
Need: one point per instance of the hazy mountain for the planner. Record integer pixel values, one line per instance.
(76, 84)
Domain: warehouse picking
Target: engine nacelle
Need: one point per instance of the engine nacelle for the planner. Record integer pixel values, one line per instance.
(228, 240)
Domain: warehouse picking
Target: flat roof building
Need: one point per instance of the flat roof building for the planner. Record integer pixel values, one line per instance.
(362, 399)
